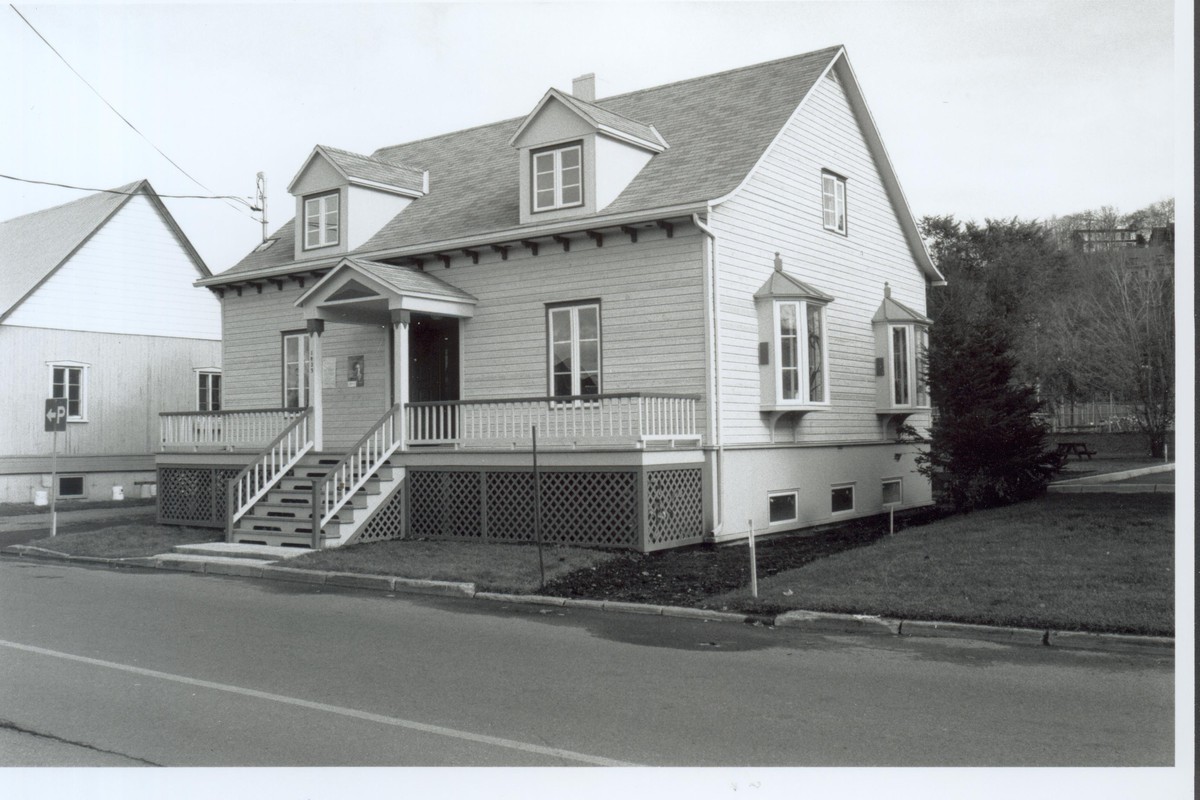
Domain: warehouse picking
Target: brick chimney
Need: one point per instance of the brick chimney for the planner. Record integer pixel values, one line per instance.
(584, 87)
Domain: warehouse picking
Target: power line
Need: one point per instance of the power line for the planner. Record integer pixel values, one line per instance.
(114, 191)
(110, 105)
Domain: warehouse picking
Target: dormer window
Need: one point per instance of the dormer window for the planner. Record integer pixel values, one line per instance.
(558, 177)
(322, 220)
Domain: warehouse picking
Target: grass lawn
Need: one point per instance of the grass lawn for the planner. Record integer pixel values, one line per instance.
(491, 567)
(127, 541)
(1089, 562)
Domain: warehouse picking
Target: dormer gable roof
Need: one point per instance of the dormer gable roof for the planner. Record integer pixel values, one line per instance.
(369, 171)
(35, 245)
(604, 120)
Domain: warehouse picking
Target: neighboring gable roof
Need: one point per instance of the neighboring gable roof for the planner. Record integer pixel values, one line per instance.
(357, 168)
(719, 128)
(34, 246)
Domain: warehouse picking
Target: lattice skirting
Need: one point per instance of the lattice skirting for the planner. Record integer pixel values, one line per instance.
(194, 495)
(635, 508)
(387, 522)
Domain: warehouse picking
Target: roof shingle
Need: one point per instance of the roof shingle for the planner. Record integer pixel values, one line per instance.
(717, 126)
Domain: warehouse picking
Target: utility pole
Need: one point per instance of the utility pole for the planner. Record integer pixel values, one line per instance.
(260, 201)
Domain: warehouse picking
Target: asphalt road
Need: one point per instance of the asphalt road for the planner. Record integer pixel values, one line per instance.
(132, 668)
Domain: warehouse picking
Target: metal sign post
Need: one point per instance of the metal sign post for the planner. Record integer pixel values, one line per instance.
(56, 420)
(753, 562)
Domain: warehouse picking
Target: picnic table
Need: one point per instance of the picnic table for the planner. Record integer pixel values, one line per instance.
(1077, 449)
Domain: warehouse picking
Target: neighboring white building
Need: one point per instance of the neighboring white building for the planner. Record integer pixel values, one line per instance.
(97, 307)
(708, 297)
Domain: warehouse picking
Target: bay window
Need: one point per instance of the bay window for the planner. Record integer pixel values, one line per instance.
(800, 345)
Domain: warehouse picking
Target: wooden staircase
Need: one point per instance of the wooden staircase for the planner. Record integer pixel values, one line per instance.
(284, 516)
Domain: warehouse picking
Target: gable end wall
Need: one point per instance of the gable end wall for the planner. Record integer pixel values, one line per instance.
(779, 210)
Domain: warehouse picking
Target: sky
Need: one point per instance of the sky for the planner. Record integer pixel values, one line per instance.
(988, 109)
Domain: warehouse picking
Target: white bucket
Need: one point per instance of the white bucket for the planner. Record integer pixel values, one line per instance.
(118, 493)
(41, 497)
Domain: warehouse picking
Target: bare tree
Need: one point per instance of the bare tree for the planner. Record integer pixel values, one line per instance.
(1122, 329)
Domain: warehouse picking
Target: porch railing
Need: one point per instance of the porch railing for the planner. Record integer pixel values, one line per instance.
(260, 475)
(330, 492)
(228, 430)
(598, 419)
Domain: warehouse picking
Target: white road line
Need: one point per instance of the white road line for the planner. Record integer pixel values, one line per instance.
(437, 730)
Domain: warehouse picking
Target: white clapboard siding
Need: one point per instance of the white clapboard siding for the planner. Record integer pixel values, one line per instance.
(779, 210)
(652, 327)
(131, 277)
(130, 379)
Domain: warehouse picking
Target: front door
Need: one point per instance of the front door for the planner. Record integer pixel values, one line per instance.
(433, 359)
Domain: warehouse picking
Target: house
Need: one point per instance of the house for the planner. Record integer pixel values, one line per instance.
(97, 308)
(706, 297)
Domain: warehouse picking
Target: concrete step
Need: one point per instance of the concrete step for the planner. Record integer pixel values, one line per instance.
(231, 550)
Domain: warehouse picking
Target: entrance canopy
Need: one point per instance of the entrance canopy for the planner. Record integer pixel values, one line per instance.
(374, 293)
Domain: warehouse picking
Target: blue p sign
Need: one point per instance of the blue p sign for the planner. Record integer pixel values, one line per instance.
(56, 414)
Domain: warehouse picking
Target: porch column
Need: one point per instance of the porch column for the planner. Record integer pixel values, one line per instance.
(316, 327)
(400, 320)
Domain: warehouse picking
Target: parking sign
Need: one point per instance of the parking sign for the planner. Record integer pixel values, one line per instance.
(56, 414)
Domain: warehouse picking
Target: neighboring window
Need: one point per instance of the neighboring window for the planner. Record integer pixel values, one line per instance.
(907, 345)
(558, 178)
(842, 498)
(833, 202)
(295, 370)
(893, 492)
(70, 486)
(69, 382)
(800, 342)
(322, 220)
(208, 391)
(574, 344)
(782, 507)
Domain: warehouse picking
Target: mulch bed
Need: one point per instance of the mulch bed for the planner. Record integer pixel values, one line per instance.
(686, 576)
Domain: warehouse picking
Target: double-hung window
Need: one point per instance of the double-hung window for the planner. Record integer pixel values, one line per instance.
(68, 381)
(322, 220)
(906, 349)
(208, 390)
(574, 346)
(295, 370)
(800, 345)
(833, 202)
(558, 177)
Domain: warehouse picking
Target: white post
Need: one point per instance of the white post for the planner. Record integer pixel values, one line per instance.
(400, 320)
(316, 327)
(753, 562)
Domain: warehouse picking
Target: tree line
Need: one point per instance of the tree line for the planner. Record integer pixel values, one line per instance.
(1034, 315)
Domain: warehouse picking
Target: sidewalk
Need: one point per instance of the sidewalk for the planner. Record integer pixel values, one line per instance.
(33, 522)
(266, 563)
(1158, 479)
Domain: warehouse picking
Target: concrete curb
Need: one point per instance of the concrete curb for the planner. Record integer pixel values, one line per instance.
(1116, 476)
(824, 622)
(802, 621)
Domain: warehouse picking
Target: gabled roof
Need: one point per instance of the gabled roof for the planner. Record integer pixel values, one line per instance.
(34, 246)
(719, 128)
(603, 119)
(403, 280)
(355, 168)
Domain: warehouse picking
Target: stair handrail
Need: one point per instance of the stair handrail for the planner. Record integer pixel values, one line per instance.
(266, 469)
(331, 491)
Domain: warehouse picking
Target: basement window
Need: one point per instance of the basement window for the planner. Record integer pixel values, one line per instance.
(70, 486)
(841, 498)
(782, 507)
